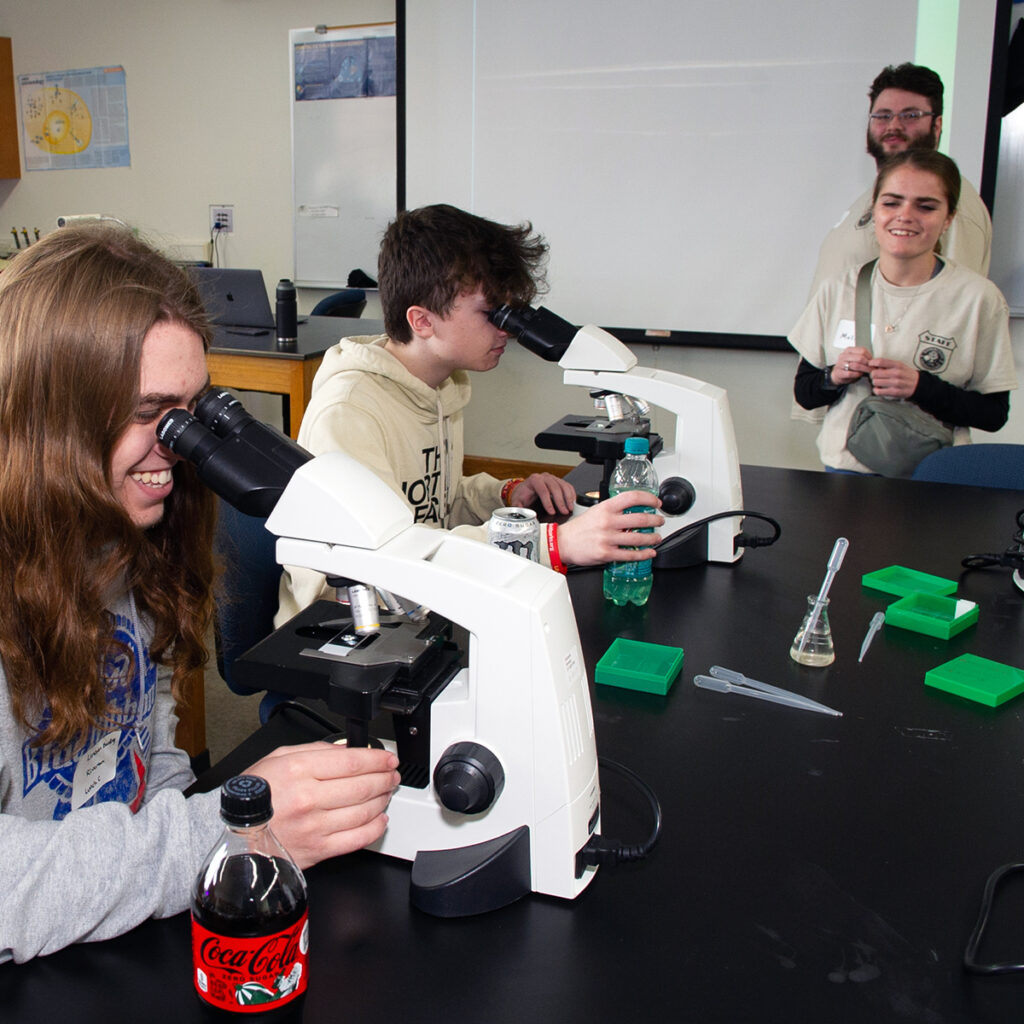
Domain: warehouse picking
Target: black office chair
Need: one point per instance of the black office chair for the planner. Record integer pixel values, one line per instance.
(979, 465)
(247, 597)
(348, 302)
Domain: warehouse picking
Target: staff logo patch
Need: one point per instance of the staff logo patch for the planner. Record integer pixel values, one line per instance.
(933, 352)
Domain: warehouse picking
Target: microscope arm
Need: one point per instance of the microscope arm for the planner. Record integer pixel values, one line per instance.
(704, 450)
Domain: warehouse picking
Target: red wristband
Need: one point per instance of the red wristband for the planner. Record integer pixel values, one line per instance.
(508, 487)
(556, 561)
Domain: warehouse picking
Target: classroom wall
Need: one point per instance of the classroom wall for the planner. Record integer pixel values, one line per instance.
(208, 105)
(208, 112)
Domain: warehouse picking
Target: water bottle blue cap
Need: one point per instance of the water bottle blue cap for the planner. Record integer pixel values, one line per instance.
(637, 446)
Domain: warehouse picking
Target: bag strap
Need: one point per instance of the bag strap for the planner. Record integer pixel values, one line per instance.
(862, 307)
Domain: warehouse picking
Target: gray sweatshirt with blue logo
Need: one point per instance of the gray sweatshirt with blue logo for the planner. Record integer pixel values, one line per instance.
(97, 839)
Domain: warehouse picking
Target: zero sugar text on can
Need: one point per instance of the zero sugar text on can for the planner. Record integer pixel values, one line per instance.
(516, 530)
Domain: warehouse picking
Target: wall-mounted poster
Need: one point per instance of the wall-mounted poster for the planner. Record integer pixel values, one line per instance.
(74, 119)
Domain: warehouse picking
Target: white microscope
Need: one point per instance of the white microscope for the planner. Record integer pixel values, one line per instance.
(699, 473)
(500, 794)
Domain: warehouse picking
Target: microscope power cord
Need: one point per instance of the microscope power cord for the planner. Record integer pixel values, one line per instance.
(988, 898)
(746, 540)
(602, 851)
(743, 540)
(1012, 557)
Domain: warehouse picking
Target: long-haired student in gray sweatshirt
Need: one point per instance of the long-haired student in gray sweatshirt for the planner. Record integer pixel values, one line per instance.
(106, 579)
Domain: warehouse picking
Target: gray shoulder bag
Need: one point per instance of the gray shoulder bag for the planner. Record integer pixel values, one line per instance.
(889, 435)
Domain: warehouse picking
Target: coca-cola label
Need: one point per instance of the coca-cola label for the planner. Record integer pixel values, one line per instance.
(250, 975)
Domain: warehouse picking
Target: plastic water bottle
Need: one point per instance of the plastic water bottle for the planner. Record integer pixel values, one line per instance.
(626, 582)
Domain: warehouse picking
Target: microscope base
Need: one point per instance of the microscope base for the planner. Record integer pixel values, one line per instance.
(472, 879)
(683, 549)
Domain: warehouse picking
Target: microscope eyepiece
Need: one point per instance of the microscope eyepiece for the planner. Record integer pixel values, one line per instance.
(222, 413)
(544, 333)
(246, 462)
(180, 431)
(508, 318)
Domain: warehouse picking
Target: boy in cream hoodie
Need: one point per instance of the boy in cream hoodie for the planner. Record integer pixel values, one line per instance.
(395, 401)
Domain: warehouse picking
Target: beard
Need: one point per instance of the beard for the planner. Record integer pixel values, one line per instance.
(927, 141)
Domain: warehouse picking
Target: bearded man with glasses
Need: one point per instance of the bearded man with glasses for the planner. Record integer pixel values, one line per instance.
(906, 113)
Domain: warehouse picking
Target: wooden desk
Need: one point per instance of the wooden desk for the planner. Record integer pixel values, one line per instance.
(255, 363)
(190, 734)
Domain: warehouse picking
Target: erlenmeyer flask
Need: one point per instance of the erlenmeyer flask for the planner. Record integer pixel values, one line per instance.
(818, 648)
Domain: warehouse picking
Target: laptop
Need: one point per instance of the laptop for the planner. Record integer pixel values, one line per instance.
(234, 298)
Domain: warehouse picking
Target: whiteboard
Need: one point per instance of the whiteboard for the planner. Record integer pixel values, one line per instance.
(683, 159)
(1007, 269)
(344, 163)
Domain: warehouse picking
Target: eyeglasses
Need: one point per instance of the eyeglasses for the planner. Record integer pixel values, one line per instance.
(904, 116)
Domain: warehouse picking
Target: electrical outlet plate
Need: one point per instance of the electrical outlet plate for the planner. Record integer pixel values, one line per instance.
(222, 219)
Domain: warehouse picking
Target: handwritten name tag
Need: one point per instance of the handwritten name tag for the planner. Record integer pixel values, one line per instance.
(95, 768)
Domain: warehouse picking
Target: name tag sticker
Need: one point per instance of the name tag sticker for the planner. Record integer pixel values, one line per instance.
(95, 768)
(846, 334)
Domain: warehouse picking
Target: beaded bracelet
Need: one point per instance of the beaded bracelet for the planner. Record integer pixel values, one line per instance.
(508, 487)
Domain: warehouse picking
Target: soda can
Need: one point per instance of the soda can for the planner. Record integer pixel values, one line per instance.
(516, 530)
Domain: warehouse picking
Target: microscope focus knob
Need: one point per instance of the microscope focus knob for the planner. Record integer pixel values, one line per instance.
(468, 778)
(677, 495)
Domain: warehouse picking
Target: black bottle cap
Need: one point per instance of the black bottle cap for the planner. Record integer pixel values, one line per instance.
(245, 800)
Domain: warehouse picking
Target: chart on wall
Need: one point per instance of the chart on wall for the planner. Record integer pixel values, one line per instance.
(344, 167)
(75, 119)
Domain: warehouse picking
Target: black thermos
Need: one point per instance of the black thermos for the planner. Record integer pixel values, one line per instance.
(287, 319)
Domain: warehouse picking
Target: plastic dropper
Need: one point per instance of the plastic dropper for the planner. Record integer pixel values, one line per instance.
(874, 626)
(835, 560)
(726, 680)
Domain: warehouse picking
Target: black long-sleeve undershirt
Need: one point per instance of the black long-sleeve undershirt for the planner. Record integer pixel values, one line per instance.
(812, 388)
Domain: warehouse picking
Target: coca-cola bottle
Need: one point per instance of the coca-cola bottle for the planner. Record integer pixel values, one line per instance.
(250, 936)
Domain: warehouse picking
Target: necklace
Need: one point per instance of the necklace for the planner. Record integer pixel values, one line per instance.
(892, 324)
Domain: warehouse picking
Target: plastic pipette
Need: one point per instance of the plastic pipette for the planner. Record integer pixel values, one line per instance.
(739, 679)
(876, 624)
(835, 560)
(726, 681)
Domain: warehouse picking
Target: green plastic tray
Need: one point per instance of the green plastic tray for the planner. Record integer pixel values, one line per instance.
(898, 580)
(636, 665)
(979, 679)
(941, 617)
